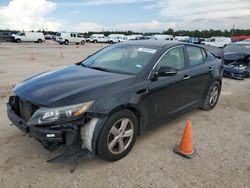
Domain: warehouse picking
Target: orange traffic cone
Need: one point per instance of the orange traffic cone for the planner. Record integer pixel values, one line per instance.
(186, 148)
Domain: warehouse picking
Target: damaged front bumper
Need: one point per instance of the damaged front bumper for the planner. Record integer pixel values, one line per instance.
(81, 135)
(51, 137)
(236, 72)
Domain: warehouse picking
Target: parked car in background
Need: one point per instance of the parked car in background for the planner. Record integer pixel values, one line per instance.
(193, 40)
(182, 38)
(218, 41)
(98, 38)
(163, 37)
(28, 37)
(5, 36)
(237, 60)
(101, 104)
(69, 37)
(134, 37)
(239, 38)
(246, 40)
(114, 38)
(48, 37)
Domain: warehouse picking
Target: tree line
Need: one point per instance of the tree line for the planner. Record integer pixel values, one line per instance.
(170, 31)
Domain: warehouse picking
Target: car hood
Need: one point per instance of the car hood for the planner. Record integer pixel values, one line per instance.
(71, 85)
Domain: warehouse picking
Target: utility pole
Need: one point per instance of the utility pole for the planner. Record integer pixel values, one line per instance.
(232, 31)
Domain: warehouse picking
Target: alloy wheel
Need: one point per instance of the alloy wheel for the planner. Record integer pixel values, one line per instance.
(214, 94)
(120, 136)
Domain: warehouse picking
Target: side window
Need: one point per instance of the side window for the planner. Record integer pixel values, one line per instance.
(22, 34)
(194, 55)
(173, 58)
(78, 35)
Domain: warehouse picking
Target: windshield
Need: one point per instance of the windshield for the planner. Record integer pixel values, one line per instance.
(121, 59)
(237, 48)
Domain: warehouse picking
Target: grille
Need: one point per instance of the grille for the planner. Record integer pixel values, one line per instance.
(26, 109)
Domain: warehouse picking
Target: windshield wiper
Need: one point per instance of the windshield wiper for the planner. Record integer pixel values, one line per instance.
(99, 68)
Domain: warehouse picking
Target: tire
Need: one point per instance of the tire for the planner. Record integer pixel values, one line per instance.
(66, 42)
(18, 40)
(82, 42)
(212, 96)
(39, 41)
(95, 41)
(109, 145)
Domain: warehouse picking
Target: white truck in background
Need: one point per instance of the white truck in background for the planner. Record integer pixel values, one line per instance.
(163, 37)
(28, 37)
(114, 38)
(217, 41)
(98, 38)
(69, 37)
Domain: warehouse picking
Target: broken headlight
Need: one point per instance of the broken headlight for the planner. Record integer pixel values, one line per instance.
(60, 114)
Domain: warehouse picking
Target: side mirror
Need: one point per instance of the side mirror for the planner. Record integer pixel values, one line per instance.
(166, 71)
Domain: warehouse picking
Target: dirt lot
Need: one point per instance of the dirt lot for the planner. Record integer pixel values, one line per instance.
(221, 137)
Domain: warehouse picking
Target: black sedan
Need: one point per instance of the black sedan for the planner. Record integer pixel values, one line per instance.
(102, 103)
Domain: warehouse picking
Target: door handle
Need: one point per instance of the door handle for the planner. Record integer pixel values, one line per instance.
(210, 69)
(186, 77)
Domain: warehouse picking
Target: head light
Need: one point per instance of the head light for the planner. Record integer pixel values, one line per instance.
(61, 114)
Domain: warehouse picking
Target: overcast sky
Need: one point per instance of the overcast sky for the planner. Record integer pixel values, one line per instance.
(136, 15)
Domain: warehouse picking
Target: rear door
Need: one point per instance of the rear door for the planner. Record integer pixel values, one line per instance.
(200, 73)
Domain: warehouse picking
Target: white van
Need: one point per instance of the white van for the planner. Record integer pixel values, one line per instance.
(217, 41)
(28, 37)
(66, 38)
(182, 38)
(163, 37)
(98, 38)
(114, 38)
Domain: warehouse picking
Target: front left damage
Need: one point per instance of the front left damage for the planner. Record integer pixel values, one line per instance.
(78, 138)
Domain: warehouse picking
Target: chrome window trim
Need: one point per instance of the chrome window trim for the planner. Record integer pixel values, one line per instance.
(162, 57)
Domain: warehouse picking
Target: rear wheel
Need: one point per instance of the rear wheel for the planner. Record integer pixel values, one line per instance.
(212, 96)
(39, 40)
(118, 135)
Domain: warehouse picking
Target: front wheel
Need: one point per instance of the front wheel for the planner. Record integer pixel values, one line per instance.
(82, 42)
(212, 96)
(118, 135)
(66, 42)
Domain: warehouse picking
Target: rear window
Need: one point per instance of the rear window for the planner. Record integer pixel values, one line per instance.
(195, 55)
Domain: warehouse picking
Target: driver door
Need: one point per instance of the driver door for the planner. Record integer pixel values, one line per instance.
(169, 94)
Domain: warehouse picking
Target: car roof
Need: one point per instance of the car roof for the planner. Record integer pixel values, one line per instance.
(153, 43)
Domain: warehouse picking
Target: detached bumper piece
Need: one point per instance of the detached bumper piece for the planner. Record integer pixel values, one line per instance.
(72, 155)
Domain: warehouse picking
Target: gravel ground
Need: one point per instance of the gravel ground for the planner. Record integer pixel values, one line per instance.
(221, 137)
